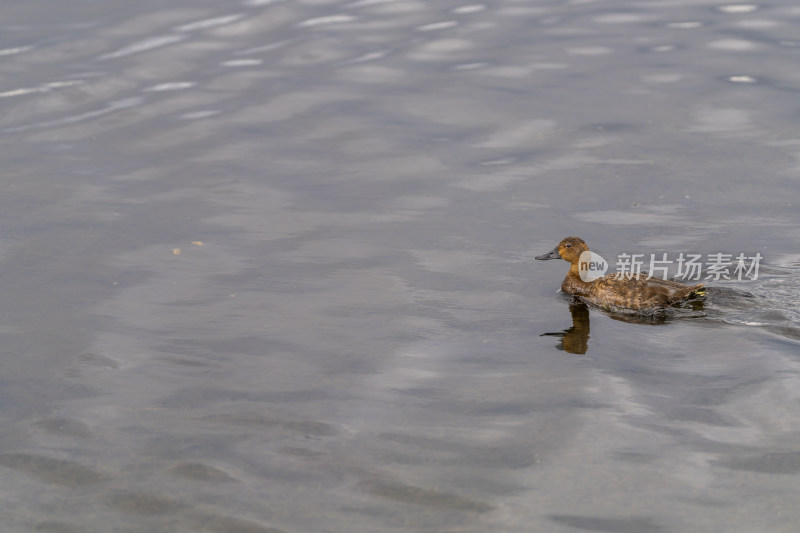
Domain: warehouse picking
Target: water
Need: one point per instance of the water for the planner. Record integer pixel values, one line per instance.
(268, 266)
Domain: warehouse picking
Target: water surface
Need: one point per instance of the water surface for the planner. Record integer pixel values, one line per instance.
(268, 266)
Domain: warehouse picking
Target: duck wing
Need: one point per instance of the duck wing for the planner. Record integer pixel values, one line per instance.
(677, 290)
(638, 292)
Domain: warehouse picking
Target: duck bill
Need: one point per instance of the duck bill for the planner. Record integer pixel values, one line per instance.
(553, 254)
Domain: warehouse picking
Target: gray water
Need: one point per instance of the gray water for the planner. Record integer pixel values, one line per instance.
(268, 266)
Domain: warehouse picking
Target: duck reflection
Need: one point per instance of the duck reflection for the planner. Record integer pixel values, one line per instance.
(576, 338)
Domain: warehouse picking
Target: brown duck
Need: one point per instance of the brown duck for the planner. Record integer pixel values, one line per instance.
(616, 292)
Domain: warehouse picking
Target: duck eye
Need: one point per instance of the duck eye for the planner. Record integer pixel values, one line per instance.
(568, 245)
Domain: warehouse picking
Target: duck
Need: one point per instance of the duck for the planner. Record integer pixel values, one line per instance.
(637, 293)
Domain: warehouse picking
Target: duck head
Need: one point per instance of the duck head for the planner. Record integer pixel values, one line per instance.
(570, 250)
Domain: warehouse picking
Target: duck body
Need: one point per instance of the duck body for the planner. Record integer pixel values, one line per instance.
(635, 293)
(616, 292)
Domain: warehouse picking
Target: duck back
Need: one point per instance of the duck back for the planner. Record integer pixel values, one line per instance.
(634, 292)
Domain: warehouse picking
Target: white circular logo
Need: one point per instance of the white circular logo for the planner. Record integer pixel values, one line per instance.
(591, 266)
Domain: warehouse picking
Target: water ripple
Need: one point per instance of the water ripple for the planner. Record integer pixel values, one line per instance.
(144, 45)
